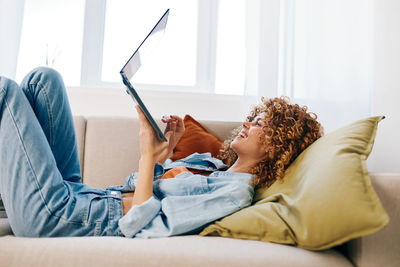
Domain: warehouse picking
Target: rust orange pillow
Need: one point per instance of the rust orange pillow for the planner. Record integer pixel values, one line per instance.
(196, 139)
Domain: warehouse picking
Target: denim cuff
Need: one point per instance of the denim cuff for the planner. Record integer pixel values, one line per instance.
(139, 216)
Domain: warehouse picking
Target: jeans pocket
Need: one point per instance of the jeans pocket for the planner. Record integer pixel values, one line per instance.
(97, 209)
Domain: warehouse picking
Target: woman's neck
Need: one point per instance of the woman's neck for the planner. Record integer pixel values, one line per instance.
(243, 166)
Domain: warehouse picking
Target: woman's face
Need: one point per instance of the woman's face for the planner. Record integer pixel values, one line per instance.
(250, 141)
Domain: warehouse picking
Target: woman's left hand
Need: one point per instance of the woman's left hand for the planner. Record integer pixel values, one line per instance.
(176, 128)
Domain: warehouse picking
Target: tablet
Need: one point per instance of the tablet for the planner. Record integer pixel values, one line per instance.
(130, 68)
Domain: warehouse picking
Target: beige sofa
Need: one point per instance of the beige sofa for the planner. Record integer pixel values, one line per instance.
(109, 151)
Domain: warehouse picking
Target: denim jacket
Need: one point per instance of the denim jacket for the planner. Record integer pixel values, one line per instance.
(188, 202)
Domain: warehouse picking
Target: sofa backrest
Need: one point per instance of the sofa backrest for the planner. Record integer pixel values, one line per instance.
(109, 147)
(80, 129)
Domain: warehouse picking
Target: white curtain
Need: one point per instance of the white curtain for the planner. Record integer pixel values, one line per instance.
(328, 57)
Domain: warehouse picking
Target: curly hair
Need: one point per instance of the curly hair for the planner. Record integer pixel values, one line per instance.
(289, 130)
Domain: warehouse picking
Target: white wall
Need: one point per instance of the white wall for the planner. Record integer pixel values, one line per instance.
(386, 86)
(115, 102)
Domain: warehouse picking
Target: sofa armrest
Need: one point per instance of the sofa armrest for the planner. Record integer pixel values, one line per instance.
(381, 248)
(5, 228)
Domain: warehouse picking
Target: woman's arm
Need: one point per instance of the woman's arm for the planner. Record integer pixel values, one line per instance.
(150, 149)
(144, 185)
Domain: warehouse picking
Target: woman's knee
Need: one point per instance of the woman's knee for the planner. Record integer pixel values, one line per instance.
(42, 76)
(7, 85)
(6, 82)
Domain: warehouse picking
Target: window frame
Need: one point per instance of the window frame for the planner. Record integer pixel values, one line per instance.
(93, 43)
(106, 98)
(263, 43)
(262, 57)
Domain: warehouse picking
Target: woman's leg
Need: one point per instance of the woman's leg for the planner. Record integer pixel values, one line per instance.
(38, 201)
(45, 91)
(31, 185)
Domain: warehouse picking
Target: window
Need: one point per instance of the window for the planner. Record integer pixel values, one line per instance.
(231, 47)
(52, 36)
(174, 60)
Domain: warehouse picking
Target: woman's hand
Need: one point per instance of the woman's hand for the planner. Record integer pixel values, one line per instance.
(176, 128)
(150, 149)
(150, 146)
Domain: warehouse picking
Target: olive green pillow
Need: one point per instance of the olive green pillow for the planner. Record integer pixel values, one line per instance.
(326, 198)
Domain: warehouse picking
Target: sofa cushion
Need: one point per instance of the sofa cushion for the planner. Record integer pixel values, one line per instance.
(326, 197)
(171, 251)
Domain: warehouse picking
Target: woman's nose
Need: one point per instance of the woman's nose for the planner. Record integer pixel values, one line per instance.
(246, 124)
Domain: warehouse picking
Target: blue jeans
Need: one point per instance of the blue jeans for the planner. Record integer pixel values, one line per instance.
(40, 177)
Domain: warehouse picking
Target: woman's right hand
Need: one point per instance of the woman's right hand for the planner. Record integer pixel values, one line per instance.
(150, 146)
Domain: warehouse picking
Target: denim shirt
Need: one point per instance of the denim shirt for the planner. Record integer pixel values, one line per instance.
(188, 202)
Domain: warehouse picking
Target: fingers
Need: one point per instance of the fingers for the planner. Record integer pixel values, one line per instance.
(142, 118)
(168, 135)
(178, 119)
(140, 112)
(145, 128)
(167, 118)
(173, 122)
(173, 126)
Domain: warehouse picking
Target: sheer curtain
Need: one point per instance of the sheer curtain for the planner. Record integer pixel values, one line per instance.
(327, 57)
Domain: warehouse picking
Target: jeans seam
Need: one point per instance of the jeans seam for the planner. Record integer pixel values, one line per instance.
(51, 213)
(114, 214)
(49, 113)
(110, 215)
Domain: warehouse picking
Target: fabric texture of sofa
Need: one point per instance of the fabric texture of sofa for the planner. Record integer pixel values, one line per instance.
(109, 151)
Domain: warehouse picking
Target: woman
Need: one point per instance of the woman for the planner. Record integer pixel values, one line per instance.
(40, 179)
